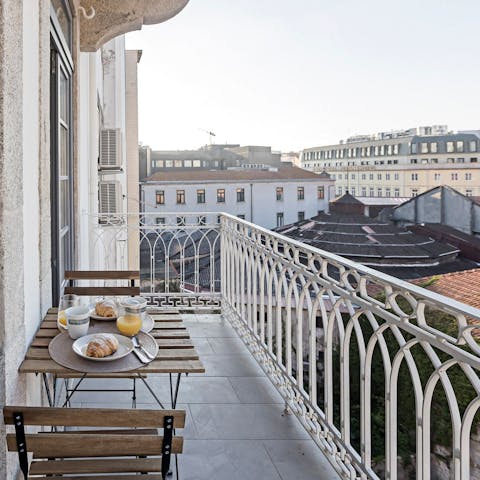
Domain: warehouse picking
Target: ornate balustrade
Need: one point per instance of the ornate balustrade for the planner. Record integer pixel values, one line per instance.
(374, 367)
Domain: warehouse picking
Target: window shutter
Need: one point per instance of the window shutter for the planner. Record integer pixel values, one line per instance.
(109, 200)
(110, 148)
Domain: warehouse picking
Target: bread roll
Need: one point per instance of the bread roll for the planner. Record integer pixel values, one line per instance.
(102, 345)
(102, 309)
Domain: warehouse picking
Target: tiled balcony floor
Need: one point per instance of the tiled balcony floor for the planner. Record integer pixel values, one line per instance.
(235, 427)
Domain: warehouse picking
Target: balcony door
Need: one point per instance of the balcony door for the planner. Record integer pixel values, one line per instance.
(61, 155)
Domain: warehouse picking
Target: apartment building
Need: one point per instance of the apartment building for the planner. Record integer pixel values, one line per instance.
(400, 163)
(268, 196)
(215, 156)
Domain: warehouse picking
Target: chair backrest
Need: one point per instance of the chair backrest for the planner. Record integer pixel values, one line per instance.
(78, 444)
(121, 275)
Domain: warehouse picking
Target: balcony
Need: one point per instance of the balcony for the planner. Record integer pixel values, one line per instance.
(379, 375)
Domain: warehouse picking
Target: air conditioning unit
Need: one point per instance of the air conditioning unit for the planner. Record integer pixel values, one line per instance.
(110, 149)
(110, 202)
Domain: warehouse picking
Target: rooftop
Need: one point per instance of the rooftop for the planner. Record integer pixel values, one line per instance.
(247, 174)
(461, 286)
(235, 428)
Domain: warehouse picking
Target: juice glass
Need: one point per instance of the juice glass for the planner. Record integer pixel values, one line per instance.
(65, 302)
(130, 323)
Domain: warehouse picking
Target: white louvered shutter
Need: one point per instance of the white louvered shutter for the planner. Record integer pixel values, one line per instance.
(110, 148)
(109, 197)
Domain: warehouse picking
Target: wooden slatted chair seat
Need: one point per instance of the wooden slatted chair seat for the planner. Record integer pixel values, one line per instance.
(131, 276)
(126, 442)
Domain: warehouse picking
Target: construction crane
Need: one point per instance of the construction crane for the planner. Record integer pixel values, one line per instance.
(210, 134)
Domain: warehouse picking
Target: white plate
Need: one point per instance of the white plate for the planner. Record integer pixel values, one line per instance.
(125, 346)
(98, 317)
(148, 323)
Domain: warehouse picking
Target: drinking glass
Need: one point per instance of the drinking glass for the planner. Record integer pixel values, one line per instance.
(66, 301)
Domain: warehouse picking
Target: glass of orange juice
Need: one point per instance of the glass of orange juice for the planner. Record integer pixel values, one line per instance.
(130, 322)
(66, 301)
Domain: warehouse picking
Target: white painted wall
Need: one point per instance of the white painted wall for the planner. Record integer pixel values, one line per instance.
(262, 195)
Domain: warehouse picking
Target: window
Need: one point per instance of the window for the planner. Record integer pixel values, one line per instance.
(414, 176)
(450, 160)
(450, 148)
(242, 216)
(178, 164)
(364, 176)
(279, 219)
(434, 160)
(158, 163)
(202, 220)
(240, 194)
(460, 160)
(468, 176)
(364, 192)
(201, 196)
(352, 190)
(379, 192)
(396, 176)
(371, 176)
(301, 216)
(220, 195)
(279, 193)
(397, 192)
(300, 193)
(196, 163)
(168, 163)
(387, 176)
(372, 192)
(413, 148)
(395, 149)
(473, 145)
(437, 176)
(181, 221)
(413, 160)
(320, 193)
(180, 196)
(160, 197)
(160, 220)
(424, 147)
(414, 192)
(468, 192)
(460, 146)
(379, 176)
(454, 176)
(473, 160)
(187, 163)
(339, 191)
(387, 192)
(434, 147)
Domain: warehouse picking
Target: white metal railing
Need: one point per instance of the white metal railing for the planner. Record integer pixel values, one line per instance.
(350, 349)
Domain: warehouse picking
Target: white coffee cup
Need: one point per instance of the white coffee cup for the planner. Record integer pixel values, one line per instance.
(78, 321)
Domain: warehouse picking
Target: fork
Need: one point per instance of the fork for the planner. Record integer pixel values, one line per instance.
(137, 344)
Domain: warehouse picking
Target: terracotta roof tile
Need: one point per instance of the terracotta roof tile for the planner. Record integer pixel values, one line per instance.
(461, 286)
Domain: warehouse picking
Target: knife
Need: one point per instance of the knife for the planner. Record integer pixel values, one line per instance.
(140, 356)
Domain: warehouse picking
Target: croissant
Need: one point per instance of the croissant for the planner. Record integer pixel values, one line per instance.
(104, 310)
(102, 346)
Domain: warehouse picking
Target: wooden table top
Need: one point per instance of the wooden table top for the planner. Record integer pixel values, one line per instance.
(175, 355)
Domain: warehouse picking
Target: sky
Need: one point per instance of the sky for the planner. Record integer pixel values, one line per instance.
(293, 74)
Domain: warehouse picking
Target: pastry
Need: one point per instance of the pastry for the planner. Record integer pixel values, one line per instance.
(102, 309)
(102, 345)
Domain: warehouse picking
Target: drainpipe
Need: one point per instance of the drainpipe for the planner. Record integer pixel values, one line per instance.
(251, 202)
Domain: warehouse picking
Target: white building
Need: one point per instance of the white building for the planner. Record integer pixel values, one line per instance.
(400, 163)
(269, 197)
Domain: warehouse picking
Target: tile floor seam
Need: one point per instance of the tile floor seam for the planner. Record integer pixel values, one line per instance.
(271, 459)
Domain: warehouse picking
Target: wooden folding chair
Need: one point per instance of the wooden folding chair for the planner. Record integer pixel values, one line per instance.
(73, 276)
(131, 444)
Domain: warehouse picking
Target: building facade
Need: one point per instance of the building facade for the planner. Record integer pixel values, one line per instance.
(401, 163)
(215, 156)
(269, 197)
(53, 110)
